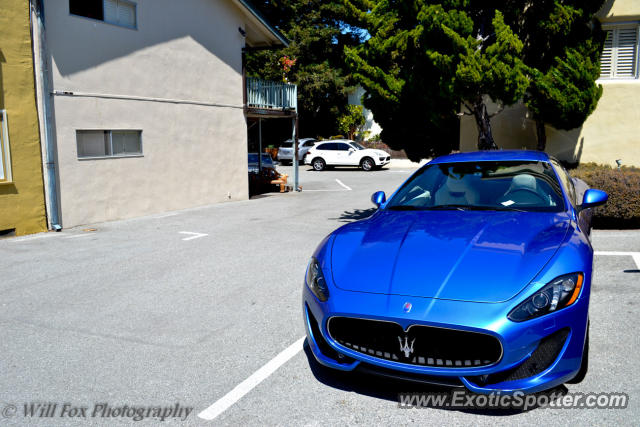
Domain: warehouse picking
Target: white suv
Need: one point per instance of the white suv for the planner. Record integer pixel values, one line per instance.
(344, 152)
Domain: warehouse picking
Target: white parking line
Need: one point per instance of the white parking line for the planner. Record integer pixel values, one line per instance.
(342, 185)
(634, 255)
(250, 383)
(193, 235)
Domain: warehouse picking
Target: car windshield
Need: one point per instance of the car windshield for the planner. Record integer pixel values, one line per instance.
(504, 185)
(357, 146)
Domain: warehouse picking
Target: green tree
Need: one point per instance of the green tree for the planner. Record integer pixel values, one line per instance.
(318, 36)
(352, 120)
(562, 46)
(425, 59)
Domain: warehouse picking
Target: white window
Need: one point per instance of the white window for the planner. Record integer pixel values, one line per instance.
(108, 143)
(619, 58)
(118, 12)
(5, 153)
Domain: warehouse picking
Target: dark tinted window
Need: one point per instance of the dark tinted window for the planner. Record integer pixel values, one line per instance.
(326, 146)
(87, 8)
(342, 146)
(308, 143)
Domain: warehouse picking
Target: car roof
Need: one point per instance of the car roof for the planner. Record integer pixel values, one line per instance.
(301, 139)
(336, 140)
(493, 155)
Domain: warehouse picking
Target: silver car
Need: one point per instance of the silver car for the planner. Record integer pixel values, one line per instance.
(285, 152)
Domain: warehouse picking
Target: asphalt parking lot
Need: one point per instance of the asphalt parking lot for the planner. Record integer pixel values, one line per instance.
(183, 307)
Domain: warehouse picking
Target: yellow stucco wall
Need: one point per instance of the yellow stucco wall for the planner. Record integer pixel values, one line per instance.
(611, 132)
(22, 205)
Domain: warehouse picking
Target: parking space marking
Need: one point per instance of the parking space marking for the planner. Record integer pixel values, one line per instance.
(250, 383)
(340, 183)
(634, 255)
(193, 235)
(343, 185)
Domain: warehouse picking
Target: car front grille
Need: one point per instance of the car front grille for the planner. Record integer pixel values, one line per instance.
(418, 345)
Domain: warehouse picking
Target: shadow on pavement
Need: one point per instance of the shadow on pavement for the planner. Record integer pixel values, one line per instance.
(355, 215)
(388, 388)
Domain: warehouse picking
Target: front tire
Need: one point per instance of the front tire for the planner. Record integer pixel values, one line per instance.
(367, 164)
(318, 164)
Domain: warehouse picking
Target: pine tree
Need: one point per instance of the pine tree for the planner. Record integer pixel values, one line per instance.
(424, 60)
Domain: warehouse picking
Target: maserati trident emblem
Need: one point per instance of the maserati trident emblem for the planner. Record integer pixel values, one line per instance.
(407, 307)
(406, 348)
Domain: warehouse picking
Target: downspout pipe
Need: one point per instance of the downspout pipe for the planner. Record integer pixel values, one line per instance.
(50, 160)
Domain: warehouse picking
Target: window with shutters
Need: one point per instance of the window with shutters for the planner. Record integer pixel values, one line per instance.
(5, 153)
(619, 58)
(94, 144)
(117, 12)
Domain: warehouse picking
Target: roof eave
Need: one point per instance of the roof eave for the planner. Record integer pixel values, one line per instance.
(257, 15)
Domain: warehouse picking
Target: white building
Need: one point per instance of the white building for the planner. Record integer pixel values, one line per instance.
(370, 125)
(145, 110)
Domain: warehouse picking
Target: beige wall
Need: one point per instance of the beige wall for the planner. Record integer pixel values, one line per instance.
(616, 10)
(195, 147)
(611, 132)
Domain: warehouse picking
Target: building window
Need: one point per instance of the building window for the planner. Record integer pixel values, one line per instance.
(118, 12)
(108, 143)
(619, 58)
(5, 153)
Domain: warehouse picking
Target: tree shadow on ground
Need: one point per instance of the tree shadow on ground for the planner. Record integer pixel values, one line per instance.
(355, 215)
(389, 388)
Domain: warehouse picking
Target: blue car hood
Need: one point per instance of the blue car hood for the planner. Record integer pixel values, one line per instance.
(482, 256)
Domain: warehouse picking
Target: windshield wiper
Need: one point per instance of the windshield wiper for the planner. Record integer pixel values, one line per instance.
(506, 208)
(475, 208)
(406, 208)
(451, 207)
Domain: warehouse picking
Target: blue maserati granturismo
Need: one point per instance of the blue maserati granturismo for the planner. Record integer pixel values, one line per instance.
(475, 273)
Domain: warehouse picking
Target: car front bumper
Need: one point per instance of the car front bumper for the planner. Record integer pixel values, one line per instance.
(524, 345)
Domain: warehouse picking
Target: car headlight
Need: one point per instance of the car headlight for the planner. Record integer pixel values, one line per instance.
(559, 293)
(315, 280)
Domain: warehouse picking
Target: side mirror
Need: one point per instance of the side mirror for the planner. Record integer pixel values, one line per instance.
(378, 198)
(593, 198)
(352, 150)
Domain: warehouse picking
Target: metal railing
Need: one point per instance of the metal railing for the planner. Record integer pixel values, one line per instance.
(271, 95)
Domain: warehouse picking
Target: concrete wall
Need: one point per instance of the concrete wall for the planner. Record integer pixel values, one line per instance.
(22, 200)
(611, 132)
(178, 79)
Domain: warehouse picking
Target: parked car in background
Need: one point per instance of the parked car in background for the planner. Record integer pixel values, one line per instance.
(344, 152)
(285, 152)
(260, 178)
(267, 162)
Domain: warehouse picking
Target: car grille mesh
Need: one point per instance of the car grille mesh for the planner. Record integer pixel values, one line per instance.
(419, 345)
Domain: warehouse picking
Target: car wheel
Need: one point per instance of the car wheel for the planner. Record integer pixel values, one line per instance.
(318, 164)
(367, 164)
(584, 366)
